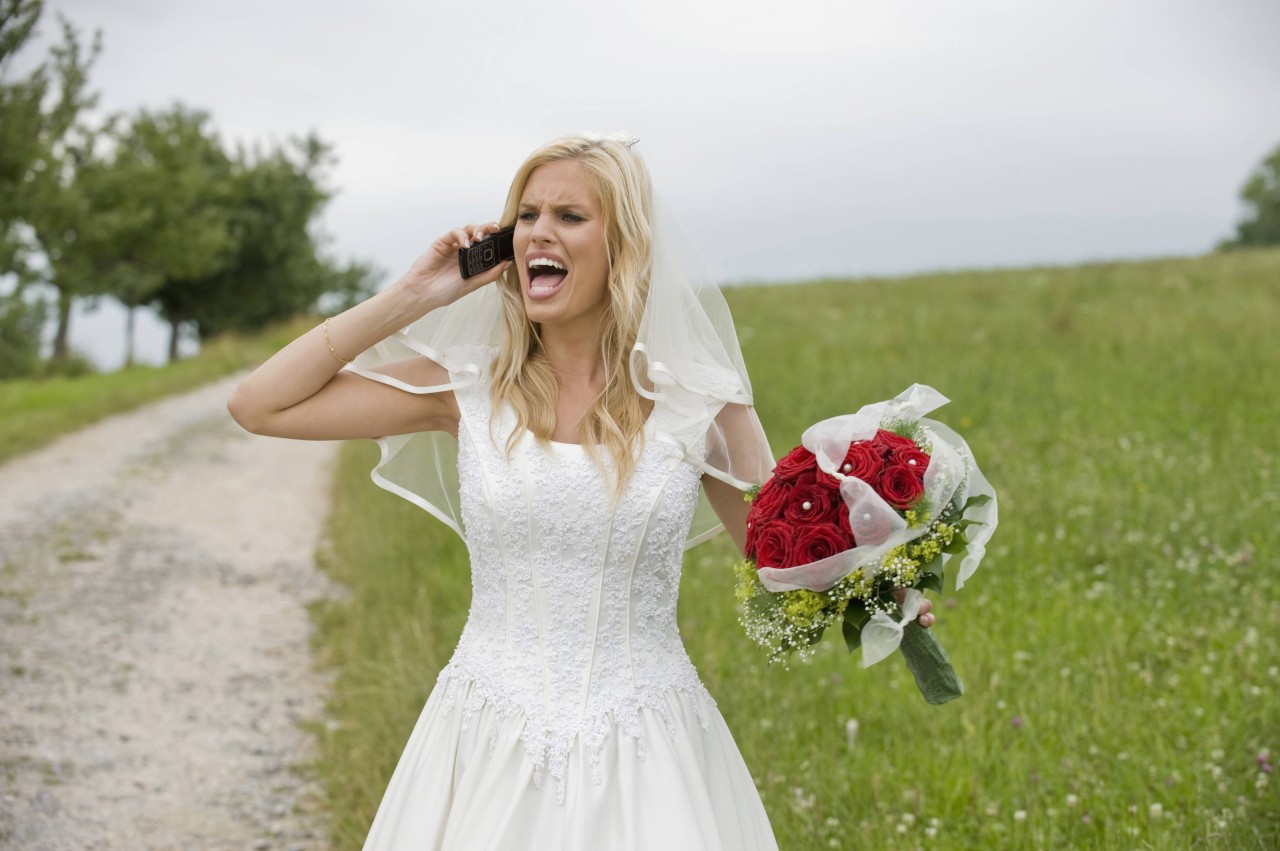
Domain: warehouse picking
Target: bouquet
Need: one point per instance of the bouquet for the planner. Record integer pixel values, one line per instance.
(856, 520)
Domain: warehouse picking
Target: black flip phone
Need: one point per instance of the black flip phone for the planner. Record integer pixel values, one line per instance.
(487, 253)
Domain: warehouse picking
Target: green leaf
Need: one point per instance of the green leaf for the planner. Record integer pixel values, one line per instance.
(857, 615)
(933, 567)
(931, 581)
(976, 501)
(852, 636)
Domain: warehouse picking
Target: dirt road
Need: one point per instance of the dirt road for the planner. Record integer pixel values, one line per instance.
(154, 572)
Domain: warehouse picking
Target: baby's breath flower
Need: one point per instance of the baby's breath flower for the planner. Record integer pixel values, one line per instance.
(803, 607)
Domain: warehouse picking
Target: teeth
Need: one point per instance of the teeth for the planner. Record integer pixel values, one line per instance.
(546, 261)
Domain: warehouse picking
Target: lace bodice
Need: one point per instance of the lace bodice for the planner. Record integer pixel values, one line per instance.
(573, 613)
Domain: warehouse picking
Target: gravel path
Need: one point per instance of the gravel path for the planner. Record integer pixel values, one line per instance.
(154, 571)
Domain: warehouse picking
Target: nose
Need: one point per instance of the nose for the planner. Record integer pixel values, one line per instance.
(541, 230)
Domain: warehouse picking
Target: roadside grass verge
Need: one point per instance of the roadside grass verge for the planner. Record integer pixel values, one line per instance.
(35, 411)
(1119, 644)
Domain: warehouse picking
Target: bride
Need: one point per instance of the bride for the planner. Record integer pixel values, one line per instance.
(596, 392)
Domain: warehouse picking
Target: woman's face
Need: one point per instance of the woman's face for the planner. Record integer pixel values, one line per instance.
(560, 246)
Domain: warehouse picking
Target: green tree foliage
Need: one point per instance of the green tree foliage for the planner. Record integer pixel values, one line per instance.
(20, 324)
(349, 285)
(164, 206)
(21, 121)
(274, 269)
(45, 212)
(150, 210)
(1261, 197)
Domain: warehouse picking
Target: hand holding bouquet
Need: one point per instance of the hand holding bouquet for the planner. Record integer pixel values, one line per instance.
(869, 505)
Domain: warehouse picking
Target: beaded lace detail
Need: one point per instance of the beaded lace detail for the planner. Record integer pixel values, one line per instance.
(573, 613)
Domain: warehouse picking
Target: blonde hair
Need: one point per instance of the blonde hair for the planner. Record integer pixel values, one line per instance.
(613, 425)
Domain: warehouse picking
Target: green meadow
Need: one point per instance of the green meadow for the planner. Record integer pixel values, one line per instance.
(1119, 643)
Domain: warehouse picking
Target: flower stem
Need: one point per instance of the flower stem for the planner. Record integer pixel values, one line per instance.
(930, 665)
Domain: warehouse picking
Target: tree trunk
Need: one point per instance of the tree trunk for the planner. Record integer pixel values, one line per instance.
(61, 346)
(175, 326)
(128, 335)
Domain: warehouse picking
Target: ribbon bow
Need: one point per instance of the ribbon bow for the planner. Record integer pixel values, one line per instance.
(882, 634)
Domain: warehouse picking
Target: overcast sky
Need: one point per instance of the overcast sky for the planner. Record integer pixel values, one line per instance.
(795, 139)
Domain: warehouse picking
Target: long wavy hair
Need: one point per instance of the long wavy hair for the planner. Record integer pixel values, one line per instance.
(613, 425)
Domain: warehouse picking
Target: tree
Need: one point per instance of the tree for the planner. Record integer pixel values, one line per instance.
(21, 121)
(1261, 197)
(274, 271)
(348, 285)
(44, 213)
(164, 207)
(21, 322)
(149, 211)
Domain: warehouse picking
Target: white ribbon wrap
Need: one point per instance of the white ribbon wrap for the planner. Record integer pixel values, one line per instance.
(882, 634)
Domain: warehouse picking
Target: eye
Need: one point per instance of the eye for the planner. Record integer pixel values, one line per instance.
(571, 217)
(528, 216)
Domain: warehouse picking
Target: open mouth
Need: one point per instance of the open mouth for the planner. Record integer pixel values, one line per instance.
(545, 276)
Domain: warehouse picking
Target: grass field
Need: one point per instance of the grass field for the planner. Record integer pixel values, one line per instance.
(1119, 644)
(34, 412)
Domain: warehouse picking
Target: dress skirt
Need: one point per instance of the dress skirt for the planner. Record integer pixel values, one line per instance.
(458, 787)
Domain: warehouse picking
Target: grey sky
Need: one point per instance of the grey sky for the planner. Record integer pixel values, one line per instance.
(795, 139)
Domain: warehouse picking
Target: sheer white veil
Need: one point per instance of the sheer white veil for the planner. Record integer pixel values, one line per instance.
(686, 359)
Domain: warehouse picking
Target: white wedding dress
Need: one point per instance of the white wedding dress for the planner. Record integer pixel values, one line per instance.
(570, 716)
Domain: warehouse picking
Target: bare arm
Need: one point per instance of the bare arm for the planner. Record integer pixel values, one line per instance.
(730, 506)
(300, 392)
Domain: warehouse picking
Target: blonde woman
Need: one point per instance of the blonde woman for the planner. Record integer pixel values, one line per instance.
(564, 412)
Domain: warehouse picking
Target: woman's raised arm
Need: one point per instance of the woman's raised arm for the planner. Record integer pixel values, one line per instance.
(300, 392)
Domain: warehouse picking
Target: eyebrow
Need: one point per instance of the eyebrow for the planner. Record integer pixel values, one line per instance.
(559, 208)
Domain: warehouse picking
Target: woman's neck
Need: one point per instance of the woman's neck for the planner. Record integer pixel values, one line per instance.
(574, 354)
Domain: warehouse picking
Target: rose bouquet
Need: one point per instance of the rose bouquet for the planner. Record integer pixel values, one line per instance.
(856, 520)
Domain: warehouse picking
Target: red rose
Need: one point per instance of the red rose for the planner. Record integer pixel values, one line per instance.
(794, 463)
(912, 458)
(842, 519)
(887, 441)
(862, 461)
(900, 486)
(814, 543)
(820, 477)
(812, 502)
(770, 500)
(772, 497)
(775, 544)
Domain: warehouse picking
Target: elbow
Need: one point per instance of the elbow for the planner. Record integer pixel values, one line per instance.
(244, 414)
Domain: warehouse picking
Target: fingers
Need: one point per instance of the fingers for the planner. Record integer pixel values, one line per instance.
(464, 237)
(924, 618)
(461, 237)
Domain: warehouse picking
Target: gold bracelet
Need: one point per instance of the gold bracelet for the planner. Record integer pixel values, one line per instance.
(325, 326)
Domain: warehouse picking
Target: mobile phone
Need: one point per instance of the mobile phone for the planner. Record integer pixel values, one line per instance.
(487, 253)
